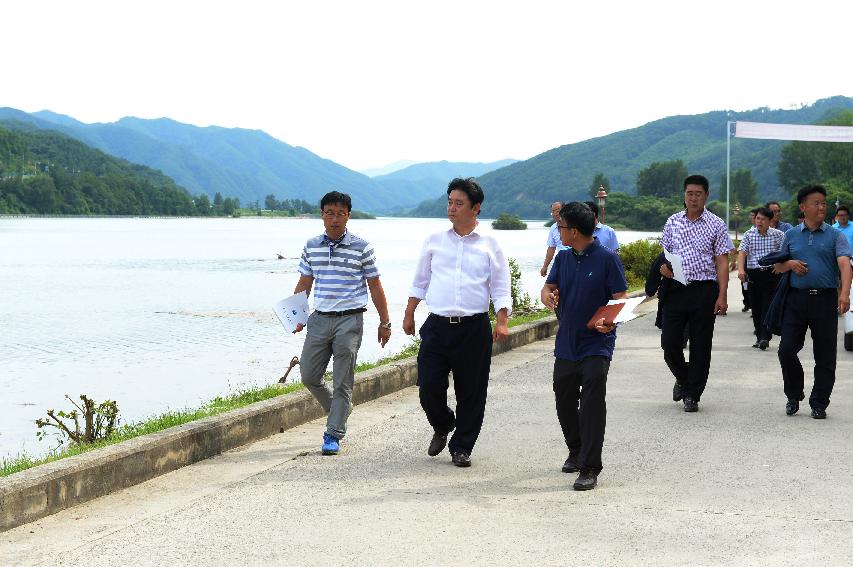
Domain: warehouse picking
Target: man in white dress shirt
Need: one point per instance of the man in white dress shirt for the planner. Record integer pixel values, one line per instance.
(458, 271)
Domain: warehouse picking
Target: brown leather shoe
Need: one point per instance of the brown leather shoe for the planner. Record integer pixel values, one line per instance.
(437, 444)
(461, 459)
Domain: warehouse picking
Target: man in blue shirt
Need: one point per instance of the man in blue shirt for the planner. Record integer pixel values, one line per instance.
(842, 223)
(777, 221)
(554, 245)
(819, 292)
(582, 280)
(606, 236)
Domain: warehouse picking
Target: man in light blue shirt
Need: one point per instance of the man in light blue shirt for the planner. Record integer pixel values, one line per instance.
(842, 223)
(606, 236)
(554, 243)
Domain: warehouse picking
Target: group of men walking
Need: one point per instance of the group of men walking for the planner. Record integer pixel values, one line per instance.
(461, 269)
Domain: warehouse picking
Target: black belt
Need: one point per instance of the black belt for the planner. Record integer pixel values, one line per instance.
(454, 319)
(698, 282)
(760, 269)
(342, 313)
(820, 291)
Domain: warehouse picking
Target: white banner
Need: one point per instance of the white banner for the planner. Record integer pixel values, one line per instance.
(800, 132)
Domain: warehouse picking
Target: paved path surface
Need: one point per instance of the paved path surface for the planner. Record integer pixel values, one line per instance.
(737, 483)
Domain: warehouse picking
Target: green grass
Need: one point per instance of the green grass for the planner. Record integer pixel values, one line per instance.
(528, 317)
(153, 424)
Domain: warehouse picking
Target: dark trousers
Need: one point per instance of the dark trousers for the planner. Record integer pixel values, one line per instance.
(762, 286)
(747, 296)
(579, 390)
(691, 306)
(464, 348)
(820, 314)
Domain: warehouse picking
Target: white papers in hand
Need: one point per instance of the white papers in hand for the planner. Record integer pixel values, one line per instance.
(677, 267)
(627, 312)
(292, 311)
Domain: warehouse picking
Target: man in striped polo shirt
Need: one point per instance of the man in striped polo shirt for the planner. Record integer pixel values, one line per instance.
(340, 267)
(758, 242)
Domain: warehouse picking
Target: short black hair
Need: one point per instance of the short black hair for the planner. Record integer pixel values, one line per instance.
(468, 186)
(333, 197)
(768, 203)
(593, 206)
(579, 216)
(842, 208)
(808, 190)
(754, 211)
(696, 180)
(765, 212)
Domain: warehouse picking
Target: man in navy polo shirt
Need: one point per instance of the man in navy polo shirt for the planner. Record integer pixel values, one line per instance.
(819, 292)
(582, 279)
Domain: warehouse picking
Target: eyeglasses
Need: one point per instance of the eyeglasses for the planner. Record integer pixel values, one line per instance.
(333, 214)
(562, 226)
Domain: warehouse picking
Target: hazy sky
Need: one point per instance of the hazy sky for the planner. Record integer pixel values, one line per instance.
(369, 83)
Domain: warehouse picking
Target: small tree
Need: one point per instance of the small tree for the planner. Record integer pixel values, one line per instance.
(99, 421)
(661, 179)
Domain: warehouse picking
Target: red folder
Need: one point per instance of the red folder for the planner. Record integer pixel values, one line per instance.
(608, 312)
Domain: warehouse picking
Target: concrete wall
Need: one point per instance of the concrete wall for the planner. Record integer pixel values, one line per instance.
(47, 489)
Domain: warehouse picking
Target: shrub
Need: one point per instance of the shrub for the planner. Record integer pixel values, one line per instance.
(637, 258)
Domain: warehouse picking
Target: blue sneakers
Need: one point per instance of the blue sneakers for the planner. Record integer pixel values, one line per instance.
(331, 445)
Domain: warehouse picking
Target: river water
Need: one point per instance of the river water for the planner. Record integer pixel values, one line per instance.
(162, 314)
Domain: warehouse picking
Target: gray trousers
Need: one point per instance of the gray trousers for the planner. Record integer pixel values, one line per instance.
(327, 336)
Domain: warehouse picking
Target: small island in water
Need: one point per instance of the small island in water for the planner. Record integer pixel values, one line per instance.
(506, 221)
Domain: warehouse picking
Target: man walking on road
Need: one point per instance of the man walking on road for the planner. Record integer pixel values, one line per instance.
(757, 242)
(701, 239)
(819, 292)
(605, 235)
(337, 264)
(458, 271)
(581, 281)
(553, 244)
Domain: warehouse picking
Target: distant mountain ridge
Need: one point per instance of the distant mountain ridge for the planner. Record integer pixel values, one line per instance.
(528, 187)
(248, 164)
(424, 180)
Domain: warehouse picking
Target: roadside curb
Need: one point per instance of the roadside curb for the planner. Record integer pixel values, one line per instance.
(44, 490)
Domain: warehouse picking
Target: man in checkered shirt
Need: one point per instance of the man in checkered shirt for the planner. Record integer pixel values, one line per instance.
(702, 240)
(758, 242)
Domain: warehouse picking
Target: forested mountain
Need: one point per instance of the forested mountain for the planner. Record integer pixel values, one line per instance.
(424, 180)
(527, 188)
(46, 172)
(247, 164)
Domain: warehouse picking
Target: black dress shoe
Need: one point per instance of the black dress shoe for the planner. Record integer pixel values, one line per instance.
(690, 405)
(792, 407)
(586, 481)
(461, 459)
(818, 413)
(745, 309)
(763, 344)
(571, 465)
(437, 444)
(757, 342)
(676, 392)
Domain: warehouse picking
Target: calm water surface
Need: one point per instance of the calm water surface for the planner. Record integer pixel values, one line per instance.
(165, 313)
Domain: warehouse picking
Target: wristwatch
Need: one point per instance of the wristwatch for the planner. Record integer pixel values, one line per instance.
(386, 325)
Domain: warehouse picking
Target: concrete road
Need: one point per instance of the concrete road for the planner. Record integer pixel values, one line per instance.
(738, 483)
